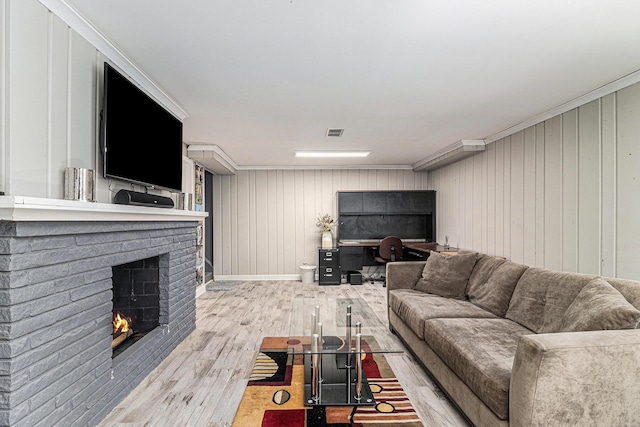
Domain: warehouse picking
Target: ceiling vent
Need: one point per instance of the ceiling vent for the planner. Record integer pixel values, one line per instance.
(336, 133)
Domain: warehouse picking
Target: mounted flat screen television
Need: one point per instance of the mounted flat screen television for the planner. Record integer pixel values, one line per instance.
(141, 140)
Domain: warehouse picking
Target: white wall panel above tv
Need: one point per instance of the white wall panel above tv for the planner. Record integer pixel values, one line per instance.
(51, 80)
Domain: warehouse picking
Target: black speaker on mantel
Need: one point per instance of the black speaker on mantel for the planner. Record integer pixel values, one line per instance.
(128, 197)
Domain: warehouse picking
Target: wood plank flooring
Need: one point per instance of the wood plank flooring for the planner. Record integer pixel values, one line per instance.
(203, 379)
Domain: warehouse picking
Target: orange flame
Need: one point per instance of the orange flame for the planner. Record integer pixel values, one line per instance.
(120, 324)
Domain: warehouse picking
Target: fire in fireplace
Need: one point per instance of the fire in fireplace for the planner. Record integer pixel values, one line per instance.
(136, 301)
(122, 329)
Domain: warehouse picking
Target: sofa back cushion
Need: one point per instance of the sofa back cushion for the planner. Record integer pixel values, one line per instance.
(484, 268)
(630, 289)
(599, 306)
(447, 275)
(542, 296)
(495, 294)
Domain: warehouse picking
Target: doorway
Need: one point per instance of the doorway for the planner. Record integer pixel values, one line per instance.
(208, 227)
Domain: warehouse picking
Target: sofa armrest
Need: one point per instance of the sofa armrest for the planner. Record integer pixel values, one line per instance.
(403, 274)
(576, 378)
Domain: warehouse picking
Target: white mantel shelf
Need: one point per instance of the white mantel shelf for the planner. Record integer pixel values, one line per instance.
(19, 208)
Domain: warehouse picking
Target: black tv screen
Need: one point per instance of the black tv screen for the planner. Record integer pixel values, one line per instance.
(142, 141)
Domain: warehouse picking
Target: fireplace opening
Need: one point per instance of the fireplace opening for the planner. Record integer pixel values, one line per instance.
(136, 302)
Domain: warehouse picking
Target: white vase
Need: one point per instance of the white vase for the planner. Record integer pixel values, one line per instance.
(327, 240)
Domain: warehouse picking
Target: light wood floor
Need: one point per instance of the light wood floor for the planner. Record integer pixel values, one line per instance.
(203, 379)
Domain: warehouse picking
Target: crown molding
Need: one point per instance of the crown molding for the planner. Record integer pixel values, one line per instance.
(598, 93)
(446, 156)
(84, 28)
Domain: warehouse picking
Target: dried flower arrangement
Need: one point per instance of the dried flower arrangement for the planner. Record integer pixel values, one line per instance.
(325, 222)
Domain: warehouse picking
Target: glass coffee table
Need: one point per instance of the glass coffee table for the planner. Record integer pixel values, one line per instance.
(333, 370)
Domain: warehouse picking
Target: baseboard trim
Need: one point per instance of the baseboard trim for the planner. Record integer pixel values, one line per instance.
(259, 277)
(201, 290)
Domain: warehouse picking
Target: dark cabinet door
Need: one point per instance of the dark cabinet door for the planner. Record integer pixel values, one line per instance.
(374, 202)
(349, 202)
(418, 202)
(428, 203)
(398, 202)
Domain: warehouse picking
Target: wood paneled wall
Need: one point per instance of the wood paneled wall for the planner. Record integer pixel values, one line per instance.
(563, 194)
(264, 220)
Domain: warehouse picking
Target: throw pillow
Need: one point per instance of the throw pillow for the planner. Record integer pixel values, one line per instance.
(447, 275)
(599, 306)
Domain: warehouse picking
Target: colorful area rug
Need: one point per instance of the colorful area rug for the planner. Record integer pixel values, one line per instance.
(274, 396)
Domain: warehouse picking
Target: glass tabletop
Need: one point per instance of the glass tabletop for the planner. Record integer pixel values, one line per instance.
(332, 315)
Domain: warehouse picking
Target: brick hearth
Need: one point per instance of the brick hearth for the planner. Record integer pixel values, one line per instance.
(55, 315)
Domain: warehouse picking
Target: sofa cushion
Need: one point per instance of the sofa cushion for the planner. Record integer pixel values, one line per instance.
(628, 288)
(484, 268)
(495, 294)
(542, 296)
(481, 353)
(447, 275)
(414, 307)
(599, 306)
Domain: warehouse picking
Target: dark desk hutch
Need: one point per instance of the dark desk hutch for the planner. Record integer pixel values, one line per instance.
(369, 216)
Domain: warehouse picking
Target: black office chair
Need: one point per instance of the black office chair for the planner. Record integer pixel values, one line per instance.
(390, 250)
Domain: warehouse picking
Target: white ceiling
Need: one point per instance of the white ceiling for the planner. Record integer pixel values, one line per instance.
(404, 78)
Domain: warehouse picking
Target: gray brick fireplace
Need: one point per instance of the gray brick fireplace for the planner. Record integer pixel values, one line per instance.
(56, 300)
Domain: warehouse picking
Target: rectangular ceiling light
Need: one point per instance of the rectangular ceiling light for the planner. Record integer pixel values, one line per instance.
(332, 153)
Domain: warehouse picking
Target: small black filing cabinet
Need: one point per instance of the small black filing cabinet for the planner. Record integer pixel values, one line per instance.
(329, 264)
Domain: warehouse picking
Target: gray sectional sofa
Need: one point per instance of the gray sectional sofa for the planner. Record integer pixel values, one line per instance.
(519, 346)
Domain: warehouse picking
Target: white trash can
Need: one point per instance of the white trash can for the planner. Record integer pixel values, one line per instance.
(308, 273)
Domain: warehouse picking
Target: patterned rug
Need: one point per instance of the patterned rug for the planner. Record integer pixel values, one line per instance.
(274, 396)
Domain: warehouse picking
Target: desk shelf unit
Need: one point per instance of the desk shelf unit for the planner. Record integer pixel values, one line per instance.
(374, 215)
(370, 216)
